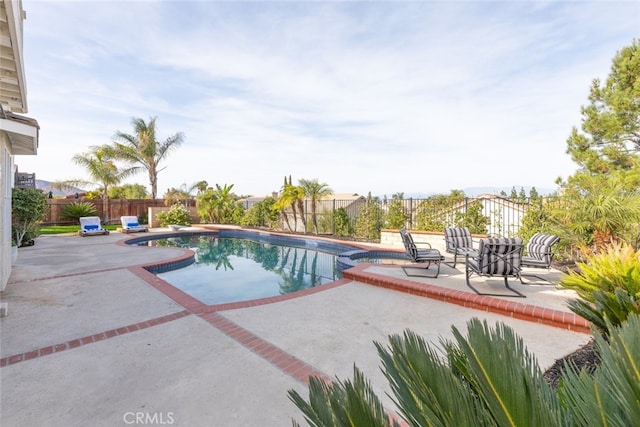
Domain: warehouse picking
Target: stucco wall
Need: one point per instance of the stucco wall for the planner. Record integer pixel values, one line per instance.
(391, 238)
(6, 173)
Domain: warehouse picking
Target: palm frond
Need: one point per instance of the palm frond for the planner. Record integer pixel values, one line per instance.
(426, 391)
(342, 404)
(611, 396)
(506, 376)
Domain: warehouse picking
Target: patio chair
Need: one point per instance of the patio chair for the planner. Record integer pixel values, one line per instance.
(419, 256)
(90, 226)
(130, 225)
(496, 257)
(540, 253)
(457, 241)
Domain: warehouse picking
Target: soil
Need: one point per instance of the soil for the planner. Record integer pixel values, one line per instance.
(586, 357)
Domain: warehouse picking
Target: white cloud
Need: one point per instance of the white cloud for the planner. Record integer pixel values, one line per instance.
(411, 97)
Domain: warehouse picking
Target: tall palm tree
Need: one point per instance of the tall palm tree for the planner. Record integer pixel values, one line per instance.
(314, 191)
(144, 149)
(101, 167)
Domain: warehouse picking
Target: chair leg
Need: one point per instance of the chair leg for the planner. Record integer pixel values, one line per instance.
(455, 261)
(405, 267)
(506, 283)
(537, 277)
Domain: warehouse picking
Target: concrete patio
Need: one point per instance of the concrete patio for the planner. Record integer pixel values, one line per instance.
(93, 339)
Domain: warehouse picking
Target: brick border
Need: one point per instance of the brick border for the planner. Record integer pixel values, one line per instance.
(528, 312)
(287, 363)
(78, 342)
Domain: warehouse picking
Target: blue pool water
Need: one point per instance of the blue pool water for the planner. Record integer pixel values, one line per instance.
(240, 265)
(228, 269)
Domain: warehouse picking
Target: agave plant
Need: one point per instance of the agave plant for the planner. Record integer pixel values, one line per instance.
(485, 379)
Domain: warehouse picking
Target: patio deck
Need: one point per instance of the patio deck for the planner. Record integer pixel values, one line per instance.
(91, 338)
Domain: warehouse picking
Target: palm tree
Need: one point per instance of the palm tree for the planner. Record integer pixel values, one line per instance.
(217, 205)
(314, 191)
(142, 148)
(601, 208)
(101, 167)
(176, 195)
(290, 195)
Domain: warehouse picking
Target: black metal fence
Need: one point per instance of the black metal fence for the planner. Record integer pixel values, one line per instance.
(496, 215)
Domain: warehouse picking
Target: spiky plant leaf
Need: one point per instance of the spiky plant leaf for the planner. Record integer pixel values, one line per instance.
(506, 377)
(611, 397)
(76, 210)
(617, 267)
(426, 391)
(614, 307)
(342, 404)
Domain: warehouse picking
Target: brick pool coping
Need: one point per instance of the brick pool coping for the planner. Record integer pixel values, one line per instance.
(516, 310)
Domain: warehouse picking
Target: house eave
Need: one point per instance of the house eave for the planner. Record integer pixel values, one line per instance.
(22, 133)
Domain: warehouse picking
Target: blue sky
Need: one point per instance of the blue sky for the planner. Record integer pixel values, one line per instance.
(415, 97)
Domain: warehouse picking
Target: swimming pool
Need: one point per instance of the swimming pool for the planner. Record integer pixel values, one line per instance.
(238, 265)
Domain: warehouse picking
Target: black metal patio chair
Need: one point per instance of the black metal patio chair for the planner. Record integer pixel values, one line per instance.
(496, 257)
(457, 241)
(540, 253)
(426, 255)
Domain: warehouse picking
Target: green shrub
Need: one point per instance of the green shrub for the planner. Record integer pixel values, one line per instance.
(176, 215)
(369, 220)
(29, 208)
(617, 267)
(143, 218)
(77, 210)
(261, 214)
(609, 286)
(342, 223)
(473, 218)
(396, 217)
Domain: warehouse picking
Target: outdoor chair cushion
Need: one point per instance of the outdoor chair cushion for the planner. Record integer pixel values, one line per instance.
(539, 249)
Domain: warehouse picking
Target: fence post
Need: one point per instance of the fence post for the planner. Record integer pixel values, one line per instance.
(411, 213)
(333, 217)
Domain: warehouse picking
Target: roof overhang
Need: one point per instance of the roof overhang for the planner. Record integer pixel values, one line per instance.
(22, 133)
(13, 89)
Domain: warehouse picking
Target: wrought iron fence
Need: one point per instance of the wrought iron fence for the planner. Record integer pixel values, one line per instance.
(493, 215)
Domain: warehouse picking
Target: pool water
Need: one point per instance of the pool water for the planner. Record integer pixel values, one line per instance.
(231, 269)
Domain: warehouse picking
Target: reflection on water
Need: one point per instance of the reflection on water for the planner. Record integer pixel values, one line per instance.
(228, 269)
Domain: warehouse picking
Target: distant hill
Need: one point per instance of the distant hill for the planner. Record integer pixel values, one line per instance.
(46, 186)
(475, 191)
